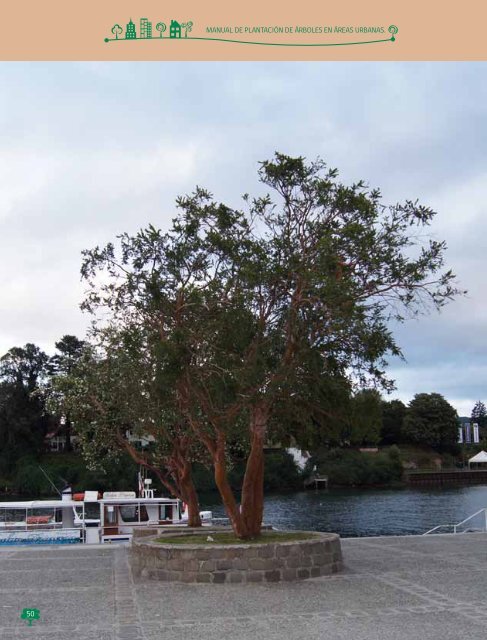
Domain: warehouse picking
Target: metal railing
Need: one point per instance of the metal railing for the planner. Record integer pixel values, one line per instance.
(455, 528)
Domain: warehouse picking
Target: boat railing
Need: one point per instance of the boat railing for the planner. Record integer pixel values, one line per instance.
(459, 526)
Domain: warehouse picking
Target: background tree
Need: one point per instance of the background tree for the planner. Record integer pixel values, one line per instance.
(431, 421)
(244, 301)
(365, 418)
(23, 422)
(120, 396)
(117, 30)
(69, 351)
(393, 414)
(479, 415)
(161, 27)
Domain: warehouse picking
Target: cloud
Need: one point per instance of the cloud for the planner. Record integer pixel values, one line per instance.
(89, 150)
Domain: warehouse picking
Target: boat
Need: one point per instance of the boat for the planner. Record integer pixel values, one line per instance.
(89, 517)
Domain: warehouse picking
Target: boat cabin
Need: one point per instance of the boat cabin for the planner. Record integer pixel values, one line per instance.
(120, 514)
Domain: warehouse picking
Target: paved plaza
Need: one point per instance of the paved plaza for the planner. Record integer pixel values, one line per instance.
(425, 588)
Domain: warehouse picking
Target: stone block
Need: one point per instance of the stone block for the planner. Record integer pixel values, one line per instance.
(207, 565)
(188, 576)
(161, 575)
(224, 565)
(240, 564)
(175, 564)
(234, 577)
(219, 578)
(322, 559)
(303, 573)
(257, 563)
(272, 576)
(269, 551)
(255, 576)
(203, 577)
(289, 574)
(315, 572)
(191, 565)
(311, 548)
(159, 553)
(203, 554)
(296, 562)
(283, 551)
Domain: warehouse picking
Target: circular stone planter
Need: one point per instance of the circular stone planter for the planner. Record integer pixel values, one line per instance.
(218, 563)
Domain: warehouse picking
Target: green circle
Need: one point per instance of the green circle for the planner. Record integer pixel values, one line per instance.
(393, 39)
(106, 40)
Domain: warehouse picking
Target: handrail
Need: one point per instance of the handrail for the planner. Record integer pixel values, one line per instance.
(459, 524)
(440, 526)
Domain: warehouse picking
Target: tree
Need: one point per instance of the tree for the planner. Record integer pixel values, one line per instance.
(245, 303)
(161, 27)
(188, 27)
(70, 350)
(479, 415)
(23, 422)
(393, 414)
(24, 366)
(430, 420)
(118, 394)
(365, 418)
(117, 30)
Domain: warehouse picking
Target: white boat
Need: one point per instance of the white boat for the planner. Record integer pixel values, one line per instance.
(65, 521)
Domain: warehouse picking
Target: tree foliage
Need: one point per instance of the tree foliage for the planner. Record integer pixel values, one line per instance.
(365, 418)
(243, 306)
(23, 422)
(431, 421)
(479, 415)
(393, 414)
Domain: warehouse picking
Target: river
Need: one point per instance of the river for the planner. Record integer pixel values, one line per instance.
(371, 512)
(367, 512)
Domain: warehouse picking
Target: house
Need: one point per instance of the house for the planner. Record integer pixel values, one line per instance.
(140, 442)
(174, 29)
(56, 440)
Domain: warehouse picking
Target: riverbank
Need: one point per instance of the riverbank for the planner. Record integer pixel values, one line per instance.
(433, 587)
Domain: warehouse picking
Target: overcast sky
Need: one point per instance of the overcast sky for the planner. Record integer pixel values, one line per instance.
(88, 150)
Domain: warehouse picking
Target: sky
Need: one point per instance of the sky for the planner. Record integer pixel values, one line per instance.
(90, 150)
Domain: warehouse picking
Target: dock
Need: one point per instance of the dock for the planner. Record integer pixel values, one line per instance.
(446, 477)
(316, 481)
(432, 588)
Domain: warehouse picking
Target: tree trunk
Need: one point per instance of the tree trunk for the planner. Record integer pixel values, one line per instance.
(246, 521)
(226, 493)
(190, 496)
(252, 508)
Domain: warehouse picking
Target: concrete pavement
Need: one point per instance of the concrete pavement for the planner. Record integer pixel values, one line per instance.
(429, 588)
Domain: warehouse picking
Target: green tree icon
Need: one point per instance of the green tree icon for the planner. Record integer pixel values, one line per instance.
(30, 615)
(187, 26)
(161, 27)
(117, 30)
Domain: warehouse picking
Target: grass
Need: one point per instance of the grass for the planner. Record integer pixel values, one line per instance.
(230, 538)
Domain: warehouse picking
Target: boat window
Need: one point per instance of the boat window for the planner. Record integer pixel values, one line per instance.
(130, 513)
(110, 515)
(166, 512)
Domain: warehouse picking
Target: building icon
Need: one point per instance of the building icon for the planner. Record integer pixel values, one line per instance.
(175, 29)
(130, 33)
(145, 28)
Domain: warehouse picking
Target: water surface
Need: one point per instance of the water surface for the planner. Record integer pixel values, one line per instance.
(371, 512)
